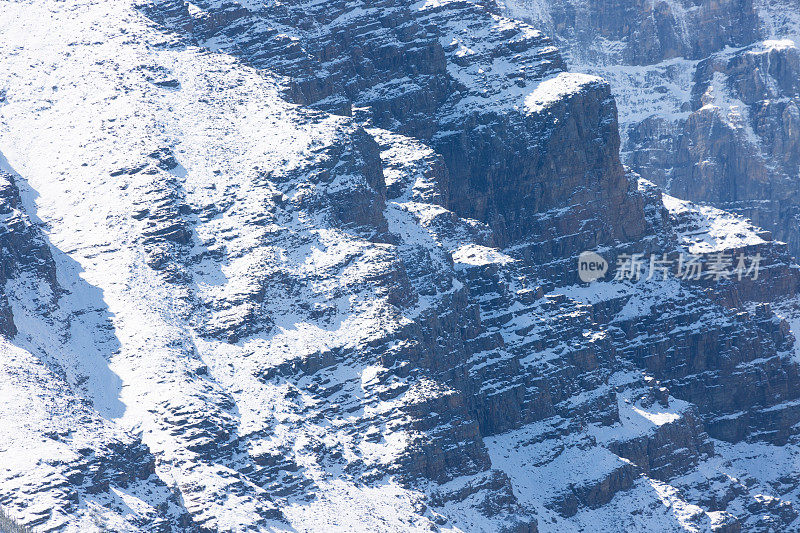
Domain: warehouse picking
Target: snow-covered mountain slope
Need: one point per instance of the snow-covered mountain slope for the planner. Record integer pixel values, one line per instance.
(311, 266)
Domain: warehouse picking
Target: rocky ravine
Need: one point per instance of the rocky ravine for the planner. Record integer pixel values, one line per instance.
(312, 266)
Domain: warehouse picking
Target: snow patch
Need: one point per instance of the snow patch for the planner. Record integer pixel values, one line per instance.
(557, 88)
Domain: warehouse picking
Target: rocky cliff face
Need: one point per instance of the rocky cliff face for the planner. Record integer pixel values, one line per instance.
(643, 32)
(458, 76)
(312, 266)
(708, 93)
(738, 148)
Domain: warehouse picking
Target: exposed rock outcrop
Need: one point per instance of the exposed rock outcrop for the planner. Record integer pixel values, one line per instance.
(326, 280)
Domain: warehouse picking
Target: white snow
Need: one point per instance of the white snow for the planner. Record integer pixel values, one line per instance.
(710, 229)
(556, 88)
(477, 255)
(80, 109)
